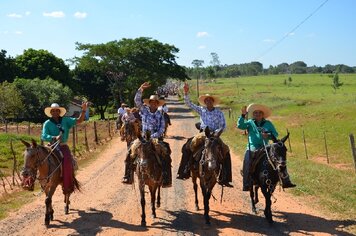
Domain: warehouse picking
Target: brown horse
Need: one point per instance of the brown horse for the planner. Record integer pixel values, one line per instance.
(149, 172)
(210, 157)
(270, 160)
(41, 159)
(128, 132)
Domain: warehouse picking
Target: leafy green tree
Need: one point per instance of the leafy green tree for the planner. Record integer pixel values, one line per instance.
(336, 82)
(39, 94)
(8, 67)
(124, 65)
(10, 101)
(42, 64)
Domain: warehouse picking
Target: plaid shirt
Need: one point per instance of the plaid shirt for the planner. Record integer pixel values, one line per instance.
(213, 119)
(151, 121)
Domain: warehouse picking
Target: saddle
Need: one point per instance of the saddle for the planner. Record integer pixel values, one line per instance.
(255, 159)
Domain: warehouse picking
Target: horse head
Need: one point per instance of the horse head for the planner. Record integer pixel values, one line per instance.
(278, 153)
(212, 148)
(31, 162)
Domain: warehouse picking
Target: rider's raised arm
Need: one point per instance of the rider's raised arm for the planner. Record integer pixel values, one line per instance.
(192, 105)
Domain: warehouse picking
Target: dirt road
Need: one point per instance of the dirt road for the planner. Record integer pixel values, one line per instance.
(107, 207)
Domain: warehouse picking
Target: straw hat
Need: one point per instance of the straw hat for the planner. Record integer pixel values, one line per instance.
(47, 110)
(154, 98)
(258, 107)
(203, 97)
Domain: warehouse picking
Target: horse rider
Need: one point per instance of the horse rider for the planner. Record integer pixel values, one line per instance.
(260, 131)
(214, 119)
(121, 111)
(57, 128)
(129, 117)
(164, 110)
(153, 122)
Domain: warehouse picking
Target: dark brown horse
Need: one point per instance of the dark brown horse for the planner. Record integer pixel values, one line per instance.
(270, 160)
(149, 172)
(208, 171)
(129, 133)
(42, 160)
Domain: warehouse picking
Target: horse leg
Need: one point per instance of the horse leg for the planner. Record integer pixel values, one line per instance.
(267, 211)
(253, 205)
(206, 194)
(153, 199)
(195, 187)
(159, 196)
(256, 195)
(143, 203)
(67, 202)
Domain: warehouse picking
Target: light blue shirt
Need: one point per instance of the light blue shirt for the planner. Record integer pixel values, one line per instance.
(50, 129)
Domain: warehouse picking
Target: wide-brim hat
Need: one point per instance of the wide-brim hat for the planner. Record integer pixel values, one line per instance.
(202, 98)
(47, 110)
(258, 107)
(154, 98)
(124, 104)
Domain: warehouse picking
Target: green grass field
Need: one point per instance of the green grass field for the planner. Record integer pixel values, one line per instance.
(307, 104)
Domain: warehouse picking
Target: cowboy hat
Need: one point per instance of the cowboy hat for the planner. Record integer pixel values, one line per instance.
(47, 110)
(258, 107)
(154, 98)
(124, 104)
(202, 98)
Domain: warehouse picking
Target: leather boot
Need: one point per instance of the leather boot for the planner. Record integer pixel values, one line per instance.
(286, 182)
(166, 172)
(225, 176)
(128, 176)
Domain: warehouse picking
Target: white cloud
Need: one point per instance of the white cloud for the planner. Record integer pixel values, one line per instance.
(269, 40)
(27, 13)
(55, 14)
(291, 34)
(14, 15)
(18, 32)
(80, 15)
(201, 47)
(202, 34)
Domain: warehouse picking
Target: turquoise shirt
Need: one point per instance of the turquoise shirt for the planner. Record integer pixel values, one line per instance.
(255, 138)
(50, 129)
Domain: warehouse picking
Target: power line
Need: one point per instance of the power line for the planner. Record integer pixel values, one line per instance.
(293, 30)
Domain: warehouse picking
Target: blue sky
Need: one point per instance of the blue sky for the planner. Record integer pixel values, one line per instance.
(239, 31)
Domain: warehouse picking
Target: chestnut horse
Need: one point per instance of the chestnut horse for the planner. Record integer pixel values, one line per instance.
(269, 161)
(48, 164)
(149, 172)
(128, 132)
(210, 157)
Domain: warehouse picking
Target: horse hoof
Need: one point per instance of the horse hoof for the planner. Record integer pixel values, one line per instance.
(143, 224)
(207, 223)
(158, 205)
(154, 216)
(196, 208)
(66, 210)
(51, 217)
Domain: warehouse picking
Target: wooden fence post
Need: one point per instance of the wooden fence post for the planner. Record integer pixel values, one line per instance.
(95, 133)
(353, 149)
(17, 127)
(5, 126)
(326, 149)
(86, 138)
(109, 128)
(290, 147)
(305, 145)
(29, 128)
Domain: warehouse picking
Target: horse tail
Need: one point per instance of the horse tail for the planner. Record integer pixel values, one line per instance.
(77, 185)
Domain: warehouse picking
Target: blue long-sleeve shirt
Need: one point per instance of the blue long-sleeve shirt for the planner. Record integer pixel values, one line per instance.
(151, 121)
(254, 129)
(213, 119)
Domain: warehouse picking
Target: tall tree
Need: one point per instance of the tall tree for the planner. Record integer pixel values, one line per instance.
(124, 65)
(8, 67)
(42, 64)
(10, 101)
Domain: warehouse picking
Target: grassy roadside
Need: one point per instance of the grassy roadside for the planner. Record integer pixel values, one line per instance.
(307, 104)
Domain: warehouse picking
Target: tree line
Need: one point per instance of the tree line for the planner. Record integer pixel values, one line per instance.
(106, 75)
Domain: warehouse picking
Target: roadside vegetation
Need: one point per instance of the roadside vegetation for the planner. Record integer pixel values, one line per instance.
(308, 103)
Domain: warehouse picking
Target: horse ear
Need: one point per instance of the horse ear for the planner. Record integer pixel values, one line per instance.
(207, 131)
(25, 143)
(34, 144)
(217, 134)
(285, 137)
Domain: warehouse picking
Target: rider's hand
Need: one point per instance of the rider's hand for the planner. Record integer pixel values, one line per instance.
(244, 110)
(145, 85)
